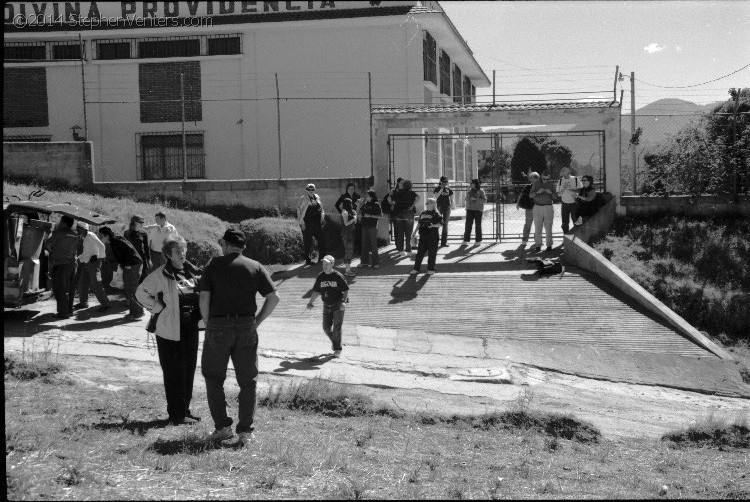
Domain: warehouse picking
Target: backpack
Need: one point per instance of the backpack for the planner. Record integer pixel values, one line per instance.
(524, 200)
(385, 205)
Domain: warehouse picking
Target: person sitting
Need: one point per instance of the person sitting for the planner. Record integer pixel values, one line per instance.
(586, 205)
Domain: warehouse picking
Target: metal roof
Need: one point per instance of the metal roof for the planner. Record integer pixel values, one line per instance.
(484, 107)
(48, 207)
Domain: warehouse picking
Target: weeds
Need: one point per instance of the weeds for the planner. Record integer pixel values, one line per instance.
(32, 365)
(713, 433)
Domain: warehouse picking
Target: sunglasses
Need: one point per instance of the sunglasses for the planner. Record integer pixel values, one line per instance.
(310, 189)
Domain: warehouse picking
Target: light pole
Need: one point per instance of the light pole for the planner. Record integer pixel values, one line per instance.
(633, 159)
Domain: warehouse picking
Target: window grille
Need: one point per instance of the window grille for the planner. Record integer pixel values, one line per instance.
(445, 74)
(447, 157)
(457, 84)
(29, 138)
(467, 90)
(459, 154)
(160, 155)
(432, 152)
(224, 45)
(429, 53)
(112, 49)
(66, 51)
(169, 48)
(30, 51)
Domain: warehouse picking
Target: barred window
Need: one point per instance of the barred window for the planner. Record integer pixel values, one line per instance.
(431, 154)
(169, 48)
(220, 46)
(66, 51)
(429, 55)
(112, 50)
(469, 161)
(457, 84)
(161, 156)
(459, 154)
(28, 138)
(447, 157)
(24, 51)
(445, 73)
(467, 90)
(25, 97)
(159, 88)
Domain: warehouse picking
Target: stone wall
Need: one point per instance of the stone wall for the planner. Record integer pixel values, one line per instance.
(68, 161)
(684, 205)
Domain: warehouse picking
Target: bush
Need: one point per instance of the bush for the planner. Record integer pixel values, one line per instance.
(22, 369)
(273, 240)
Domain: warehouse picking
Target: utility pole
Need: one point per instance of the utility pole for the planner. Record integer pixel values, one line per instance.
(278, 133)
(369, 100)
(83, 90)
(184, 143)
(735, 192)
(493, 87)
(634, 158)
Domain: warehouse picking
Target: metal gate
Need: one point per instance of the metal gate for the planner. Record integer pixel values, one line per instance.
(497, 165)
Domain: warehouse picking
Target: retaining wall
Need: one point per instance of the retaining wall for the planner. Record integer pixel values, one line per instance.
(68, 161)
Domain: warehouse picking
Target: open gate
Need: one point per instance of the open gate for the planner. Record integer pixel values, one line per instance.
(496, 158)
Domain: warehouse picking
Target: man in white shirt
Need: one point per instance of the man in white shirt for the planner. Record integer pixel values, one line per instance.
(157, 234)
(90, 270)
(567, 188)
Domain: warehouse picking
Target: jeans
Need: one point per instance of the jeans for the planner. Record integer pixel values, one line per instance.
(235, 338)
(64, 287)
(313, 228)
(527, 224)
(157, 260)
(131, 275)
(473, 216)
(333, 318)
(369, 245)
(91, 277)
(178, 360)
(404, 225)
(427, 244)
(446, 212)
(543, 216)
(568, 211)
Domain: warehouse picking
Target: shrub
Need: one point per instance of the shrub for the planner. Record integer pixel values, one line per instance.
(273, 240)
(22, 369)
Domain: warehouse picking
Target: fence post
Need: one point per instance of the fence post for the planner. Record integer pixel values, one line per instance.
(493, 87)
(278, 133)
(369, 101)
(184, 143)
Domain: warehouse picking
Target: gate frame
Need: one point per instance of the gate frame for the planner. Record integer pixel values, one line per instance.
(540, 118)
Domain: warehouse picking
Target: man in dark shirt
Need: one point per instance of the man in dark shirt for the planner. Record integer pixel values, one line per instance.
(132, 265)
(227, 301)
(332, 286)
(428, 224)
(139, 239)
(63, 246)
(444, 205)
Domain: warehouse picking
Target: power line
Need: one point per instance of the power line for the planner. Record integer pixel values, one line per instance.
(694, 85)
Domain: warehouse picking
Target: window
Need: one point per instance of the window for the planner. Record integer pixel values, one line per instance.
(31, 138)
(467, 90)
(447, 157)
(469, 162)
(161, 156)
(174, 48)
(445, 74)
(25, 97)
(473, 94)
(429, 51)
(66, 51)
(159, 86)
(24, 51)
(431, 154)
(112, 50)
(459, 154)
(219, 46)
(457, 84)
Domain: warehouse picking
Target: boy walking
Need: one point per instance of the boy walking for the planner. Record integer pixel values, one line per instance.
(332, 286)
(428, 224)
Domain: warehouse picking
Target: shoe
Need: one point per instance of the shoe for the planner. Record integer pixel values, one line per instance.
(62, 316)
(465, 243)
(79, 306)
(412, 254)
(536, 249)
(337, 353)
(222, 434)
(477, 243)
(413, 272)
(402, 254)
(183, 421)
(104, 308)
(549, 248)
(189, 414)
(246, 438)
(430, 272)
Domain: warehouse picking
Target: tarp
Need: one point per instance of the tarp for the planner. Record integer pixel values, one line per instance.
(47, 207)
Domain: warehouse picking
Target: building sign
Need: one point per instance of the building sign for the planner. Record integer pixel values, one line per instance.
(20, 14)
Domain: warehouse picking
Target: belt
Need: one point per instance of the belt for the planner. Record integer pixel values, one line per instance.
(230, 316)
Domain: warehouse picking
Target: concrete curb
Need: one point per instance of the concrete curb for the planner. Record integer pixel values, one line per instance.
(583, 256)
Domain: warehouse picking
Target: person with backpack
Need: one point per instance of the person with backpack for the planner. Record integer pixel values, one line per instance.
(586, 201)
(311, 218)
(386, 205)
(404, 202)
(526, 203)
(369, 214)
(475, 200)
(444, 205)
(430, 220)
(349, 218)
(542, 192)
(567, 188)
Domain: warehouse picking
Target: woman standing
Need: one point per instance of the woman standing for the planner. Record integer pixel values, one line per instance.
(349, 217)
(541, 192)
(369, 214)
(139, 239)
(476, 199)
(351, 194)
(404, 209)
(311, 218)
(170, 294)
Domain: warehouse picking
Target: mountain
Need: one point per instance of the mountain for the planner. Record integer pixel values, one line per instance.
(663, 118)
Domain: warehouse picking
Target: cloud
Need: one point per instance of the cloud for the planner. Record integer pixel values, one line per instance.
(653, 47)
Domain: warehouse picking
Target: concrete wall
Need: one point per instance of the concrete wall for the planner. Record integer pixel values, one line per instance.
(66, 161)
(599, 224)
(684, 205)
(250, 193)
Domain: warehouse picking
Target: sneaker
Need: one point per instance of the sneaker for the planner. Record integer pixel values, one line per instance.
(183, 421)
(536, 249)
(549, 248)
(222, 434)
(246, 438)
(465, 243)
(430, 272)
(189, 414)
(477, 243)
(79, 306)
(337, 353)
(413, 272)
(402, 254)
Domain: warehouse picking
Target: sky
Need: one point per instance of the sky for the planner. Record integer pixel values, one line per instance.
(571, 46)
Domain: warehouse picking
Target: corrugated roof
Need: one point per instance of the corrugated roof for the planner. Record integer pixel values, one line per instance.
(477, 107)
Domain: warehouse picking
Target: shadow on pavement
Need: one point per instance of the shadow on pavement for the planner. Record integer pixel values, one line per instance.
(311, 363)
(407, 289)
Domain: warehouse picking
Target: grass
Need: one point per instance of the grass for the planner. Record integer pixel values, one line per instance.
(714, 433)
(31, 363)
(697, 266)
(89, 443)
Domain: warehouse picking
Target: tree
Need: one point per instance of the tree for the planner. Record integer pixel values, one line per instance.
(493, 164)
(527, 157)
(556, 155)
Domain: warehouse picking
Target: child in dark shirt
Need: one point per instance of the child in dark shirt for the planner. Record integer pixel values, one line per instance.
(332, 286)
(428, 224)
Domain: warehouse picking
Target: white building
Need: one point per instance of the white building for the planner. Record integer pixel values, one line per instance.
(259, 82)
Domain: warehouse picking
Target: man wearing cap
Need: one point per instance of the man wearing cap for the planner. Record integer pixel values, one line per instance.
(63, 246)
(132, 265)
(139, 239)
(311, 218)
(157, 234)
(444, 205)
(90, 262)
(228, 288)
(332, 286)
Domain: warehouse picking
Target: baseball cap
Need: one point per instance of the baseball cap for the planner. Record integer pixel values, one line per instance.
(329, 259)
(137, 219)
(235, 237)
(310, 186)
(83, 225)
